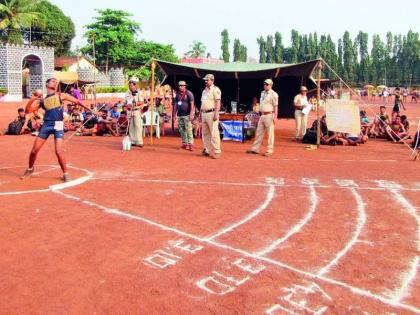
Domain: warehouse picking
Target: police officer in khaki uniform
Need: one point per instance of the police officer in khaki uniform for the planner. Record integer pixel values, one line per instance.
(210, 107)
(134, 100)
(268, 110)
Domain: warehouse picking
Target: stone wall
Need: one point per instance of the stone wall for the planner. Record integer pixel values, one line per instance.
(114, 78)
(11, 59)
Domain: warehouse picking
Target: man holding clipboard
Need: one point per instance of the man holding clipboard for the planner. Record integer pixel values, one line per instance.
(302, 110)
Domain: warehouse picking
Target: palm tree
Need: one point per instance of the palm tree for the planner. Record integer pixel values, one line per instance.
(16, 15)
(197, 49)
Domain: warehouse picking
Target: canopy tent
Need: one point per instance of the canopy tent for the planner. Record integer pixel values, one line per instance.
(241, 82)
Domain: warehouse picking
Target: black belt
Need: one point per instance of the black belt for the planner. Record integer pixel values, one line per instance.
(207, 111)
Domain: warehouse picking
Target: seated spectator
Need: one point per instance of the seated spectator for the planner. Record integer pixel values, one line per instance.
(122, 124)
(163, 116)
(105, 125)
(354, 139)
(90, 125)
(406, 124)
(15, 127)
(33, 122)
(380, 123)
(114, 113)
(76, 119)
(326, 137)
(396, 131)
(255, 105)
(75, 93)
(196, 123)
(365, 123)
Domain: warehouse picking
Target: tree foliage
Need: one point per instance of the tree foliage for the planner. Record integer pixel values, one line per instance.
(197, 49)
(58, 32)
(115, 38)
(225, 45)
(393, 61)
(18, 15)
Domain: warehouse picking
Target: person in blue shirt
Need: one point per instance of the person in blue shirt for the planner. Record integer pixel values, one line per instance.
(114, 113)
(53, 123)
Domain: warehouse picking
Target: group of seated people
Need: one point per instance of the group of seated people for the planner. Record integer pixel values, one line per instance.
(104, 119)
(395, 129)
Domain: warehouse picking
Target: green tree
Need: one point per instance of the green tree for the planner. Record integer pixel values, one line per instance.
(295, 46)
(240, 52)
(114, 34)
(18, 15)
(378, 61)
(262, 45)
(58, 31)
(236, 50)
(278, 48)
(225, 45)
(363, 69)
(244, 53)
(340, 58)
(349, 59)
(197, 50)
(269, 49)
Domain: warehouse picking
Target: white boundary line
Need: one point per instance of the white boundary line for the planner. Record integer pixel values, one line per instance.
(355, 290)
(323, 160)
(190, 182)
(76, 182)
(361, 220)
(410, 275)
(269, 197)
(297, 227)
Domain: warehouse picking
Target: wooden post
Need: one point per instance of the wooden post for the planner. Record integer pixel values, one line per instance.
(318, 103)
(152, 100)
(94, 70)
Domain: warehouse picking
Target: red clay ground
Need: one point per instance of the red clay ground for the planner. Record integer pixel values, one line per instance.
(163, 231)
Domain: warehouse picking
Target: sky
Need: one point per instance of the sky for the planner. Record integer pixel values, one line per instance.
(180, 22)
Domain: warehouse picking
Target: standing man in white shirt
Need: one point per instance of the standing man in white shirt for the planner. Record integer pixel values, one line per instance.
(302, 109)
(134, 100)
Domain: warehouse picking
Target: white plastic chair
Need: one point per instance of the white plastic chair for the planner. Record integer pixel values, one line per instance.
(147, 122)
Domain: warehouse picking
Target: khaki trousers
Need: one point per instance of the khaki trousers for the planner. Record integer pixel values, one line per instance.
(266, 123)
(210, 133)
(136, 128)
(301, 121)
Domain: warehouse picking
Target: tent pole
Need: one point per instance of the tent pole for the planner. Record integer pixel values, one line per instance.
(318, 103)
(173, 107)
(238, 92)
(94, 70)
(152, 101)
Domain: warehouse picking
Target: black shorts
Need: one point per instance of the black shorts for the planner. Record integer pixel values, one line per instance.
(396, 109)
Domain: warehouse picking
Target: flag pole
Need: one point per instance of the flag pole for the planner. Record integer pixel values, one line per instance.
(152, 101)
(318, 103)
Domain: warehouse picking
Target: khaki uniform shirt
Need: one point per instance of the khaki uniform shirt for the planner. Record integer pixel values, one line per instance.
(300, 100)
(209, 97)
(129, 98)
(268, 101)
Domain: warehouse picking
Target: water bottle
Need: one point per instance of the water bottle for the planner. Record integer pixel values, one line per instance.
(126, 143)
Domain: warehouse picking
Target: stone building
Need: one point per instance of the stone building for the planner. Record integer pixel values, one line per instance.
(39, 64)
(13, 58)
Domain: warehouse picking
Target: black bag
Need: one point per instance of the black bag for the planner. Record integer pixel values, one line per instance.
(309, 137)
(15, 127)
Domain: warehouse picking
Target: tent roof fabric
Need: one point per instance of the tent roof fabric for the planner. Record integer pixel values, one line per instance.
(239, 70)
